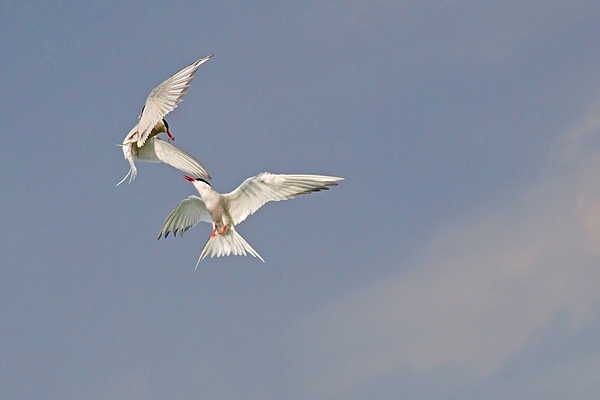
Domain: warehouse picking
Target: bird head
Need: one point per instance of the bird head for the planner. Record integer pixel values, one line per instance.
(196, 180)
(166, 124)
(201, 185)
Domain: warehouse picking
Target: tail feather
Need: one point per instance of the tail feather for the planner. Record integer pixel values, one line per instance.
(226, 244)
(128, 154)
(131, 174)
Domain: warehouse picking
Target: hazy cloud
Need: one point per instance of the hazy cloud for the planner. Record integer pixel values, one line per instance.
(477, 291)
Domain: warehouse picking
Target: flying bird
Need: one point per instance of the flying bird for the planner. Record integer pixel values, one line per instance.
(139, 143)
(225, 211)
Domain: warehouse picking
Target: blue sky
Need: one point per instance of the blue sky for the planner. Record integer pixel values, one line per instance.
(459, 258)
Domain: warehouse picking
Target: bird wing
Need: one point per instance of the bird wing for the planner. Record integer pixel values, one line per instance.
(254, 192)
(132, 135)
(157, 150)
(164, 98)
(185, 216)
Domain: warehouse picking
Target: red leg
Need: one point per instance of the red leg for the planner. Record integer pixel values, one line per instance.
(224, 227)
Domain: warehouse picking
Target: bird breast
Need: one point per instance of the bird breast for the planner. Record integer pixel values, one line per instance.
(218, 213)
(215, 204)
(158, 128)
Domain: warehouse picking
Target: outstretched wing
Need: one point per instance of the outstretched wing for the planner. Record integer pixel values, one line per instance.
(258, 190)
(157, 150)
(164, 98)
(185, 216)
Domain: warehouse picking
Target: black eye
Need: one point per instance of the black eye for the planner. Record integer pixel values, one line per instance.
(202, 180)
(166, 124)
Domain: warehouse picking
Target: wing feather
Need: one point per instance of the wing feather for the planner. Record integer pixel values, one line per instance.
(185, 216)
(164, 98)
(254, 192)
(157, 150)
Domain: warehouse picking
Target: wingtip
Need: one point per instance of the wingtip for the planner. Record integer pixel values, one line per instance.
(203, 60)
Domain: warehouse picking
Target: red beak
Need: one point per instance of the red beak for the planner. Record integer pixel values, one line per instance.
(189, 178)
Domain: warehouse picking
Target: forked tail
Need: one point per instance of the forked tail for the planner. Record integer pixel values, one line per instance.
(227, 243)
(128, 153)
(131, 174)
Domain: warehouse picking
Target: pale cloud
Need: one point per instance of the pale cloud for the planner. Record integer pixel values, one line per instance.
(476, 292)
